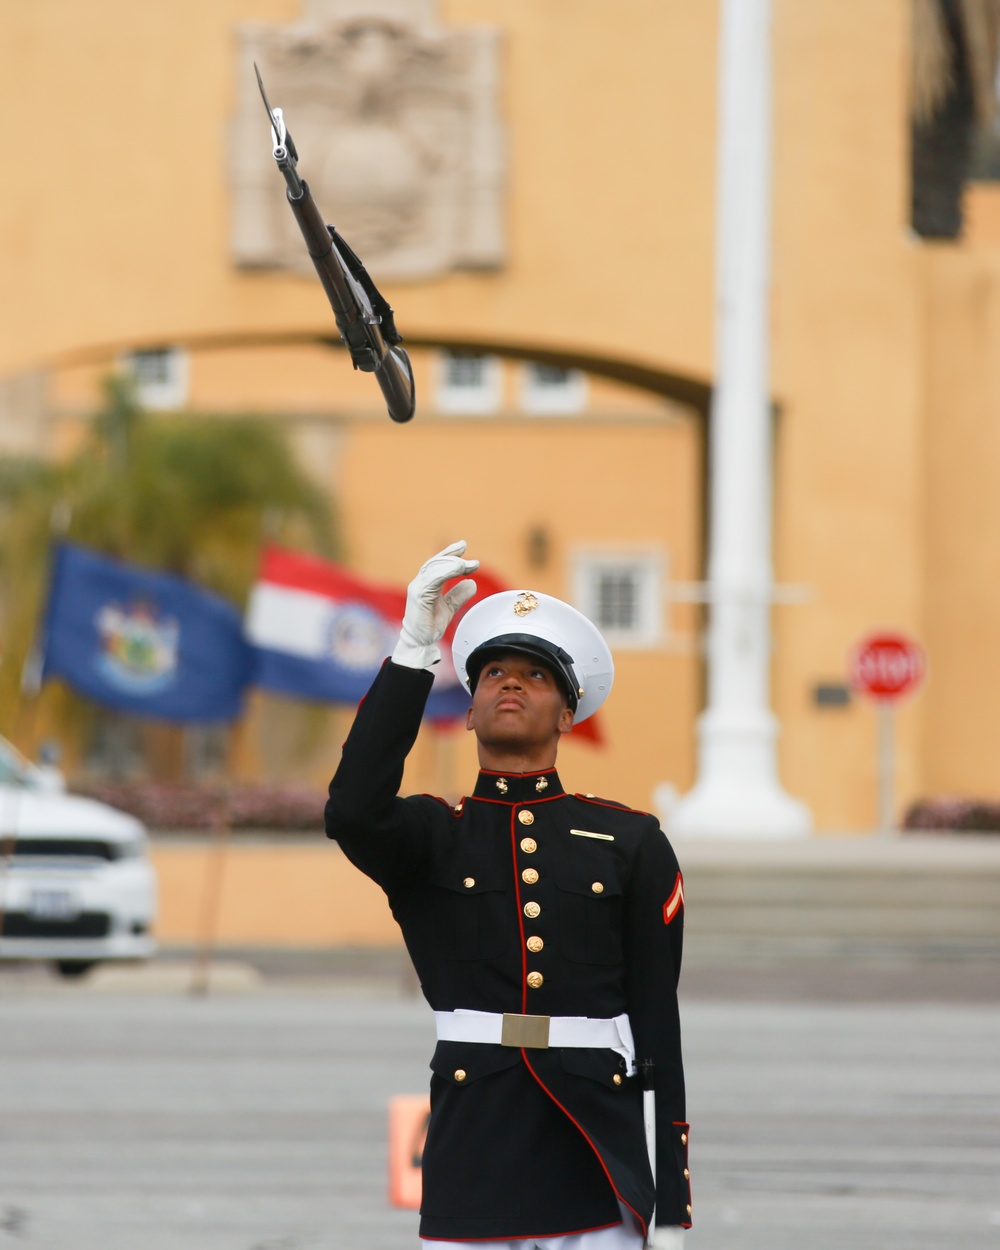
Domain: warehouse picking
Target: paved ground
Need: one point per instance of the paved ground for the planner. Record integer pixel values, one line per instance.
(135, 1115)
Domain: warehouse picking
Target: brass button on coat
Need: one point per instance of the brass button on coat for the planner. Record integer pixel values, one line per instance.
(529, 875)
(535, 980)
(469, 882)
(617, 1078)
(531, 910)
(529, 846)
(534, 944)
(687, 1175)
(684, 1139)
(598, 887)
(459, 1074)
(526, 818)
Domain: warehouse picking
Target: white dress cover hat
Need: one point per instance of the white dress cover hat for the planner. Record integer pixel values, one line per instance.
(528, 622)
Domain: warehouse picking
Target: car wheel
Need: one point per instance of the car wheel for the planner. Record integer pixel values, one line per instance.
(73, 968)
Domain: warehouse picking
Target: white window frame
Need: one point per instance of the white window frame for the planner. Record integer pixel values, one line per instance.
(167, 392)
(648, 568)
(484, 397)
(538, 396)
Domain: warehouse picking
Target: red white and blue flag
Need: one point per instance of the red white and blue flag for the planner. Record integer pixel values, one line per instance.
(322, 633)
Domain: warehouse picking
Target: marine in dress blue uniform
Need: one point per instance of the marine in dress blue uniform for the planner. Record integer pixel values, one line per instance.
(545, 928)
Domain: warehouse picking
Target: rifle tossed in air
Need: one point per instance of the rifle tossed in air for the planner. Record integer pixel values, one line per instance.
(363, 316)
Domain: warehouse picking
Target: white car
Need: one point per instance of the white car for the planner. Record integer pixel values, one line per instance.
(76, 883)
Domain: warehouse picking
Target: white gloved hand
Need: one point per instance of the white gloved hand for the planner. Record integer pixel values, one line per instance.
(668, 1237)
(429, 612)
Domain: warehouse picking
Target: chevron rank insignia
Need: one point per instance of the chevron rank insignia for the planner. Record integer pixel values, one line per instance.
(675, 902)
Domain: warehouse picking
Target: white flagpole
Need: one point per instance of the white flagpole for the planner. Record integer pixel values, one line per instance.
(737, 792)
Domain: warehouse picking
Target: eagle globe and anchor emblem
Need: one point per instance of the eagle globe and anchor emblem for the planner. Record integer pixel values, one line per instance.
(525, 603)
(140, 647)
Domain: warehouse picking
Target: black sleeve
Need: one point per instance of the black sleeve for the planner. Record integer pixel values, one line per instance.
(383, 835)
(654, 934)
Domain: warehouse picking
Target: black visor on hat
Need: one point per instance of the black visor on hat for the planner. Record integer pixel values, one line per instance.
(554, 658)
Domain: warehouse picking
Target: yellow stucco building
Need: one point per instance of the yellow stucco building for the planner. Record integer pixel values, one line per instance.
(552, 199)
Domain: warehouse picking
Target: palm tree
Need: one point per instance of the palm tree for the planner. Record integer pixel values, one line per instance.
(956, 44)
(183, 493)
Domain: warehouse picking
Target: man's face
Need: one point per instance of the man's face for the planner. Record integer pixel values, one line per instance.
(518, 705)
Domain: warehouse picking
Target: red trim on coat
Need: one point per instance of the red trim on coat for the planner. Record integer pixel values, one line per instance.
(532, 772)
(615, 807)
(687, 1129)
(574, 1232)
(438, 799)
(551, 798)
(520, 914)
(587, 1139)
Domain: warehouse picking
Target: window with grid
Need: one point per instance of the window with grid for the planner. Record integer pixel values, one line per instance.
(551, 388)
(160, 376)
(621, 593)
(468, 383)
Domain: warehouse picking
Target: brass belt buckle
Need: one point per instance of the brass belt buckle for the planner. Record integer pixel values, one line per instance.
(531, 1032)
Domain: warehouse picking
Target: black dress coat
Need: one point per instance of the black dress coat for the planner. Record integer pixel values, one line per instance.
(526, 1142)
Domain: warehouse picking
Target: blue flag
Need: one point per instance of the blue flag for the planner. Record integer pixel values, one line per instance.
(146, 643)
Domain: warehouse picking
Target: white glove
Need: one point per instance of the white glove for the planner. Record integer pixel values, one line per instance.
(429, 612)
(668, 1237)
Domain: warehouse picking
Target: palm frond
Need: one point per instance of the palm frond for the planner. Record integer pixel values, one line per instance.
(934, 55)
(932, 74)
(981, 24)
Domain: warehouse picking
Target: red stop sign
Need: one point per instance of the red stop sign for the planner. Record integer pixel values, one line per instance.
(887, 666)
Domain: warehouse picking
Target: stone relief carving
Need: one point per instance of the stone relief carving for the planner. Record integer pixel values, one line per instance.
(396, 124)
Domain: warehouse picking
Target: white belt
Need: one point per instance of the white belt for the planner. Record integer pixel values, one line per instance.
(538, 1032)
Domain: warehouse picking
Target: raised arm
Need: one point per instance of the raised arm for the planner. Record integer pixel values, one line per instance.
(379, 832)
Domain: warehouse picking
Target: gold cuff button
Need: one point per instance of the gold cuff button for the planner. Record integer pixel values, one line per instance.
(535, 980)
(529, 846)
(617, 1078)
(531, 910)
(526, 818)
(684, 1139)
(598, 887)
(469, 882)
(687, 1175)
(529, 875)
(534, 944)
(689, 1208)
(460, 1074)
